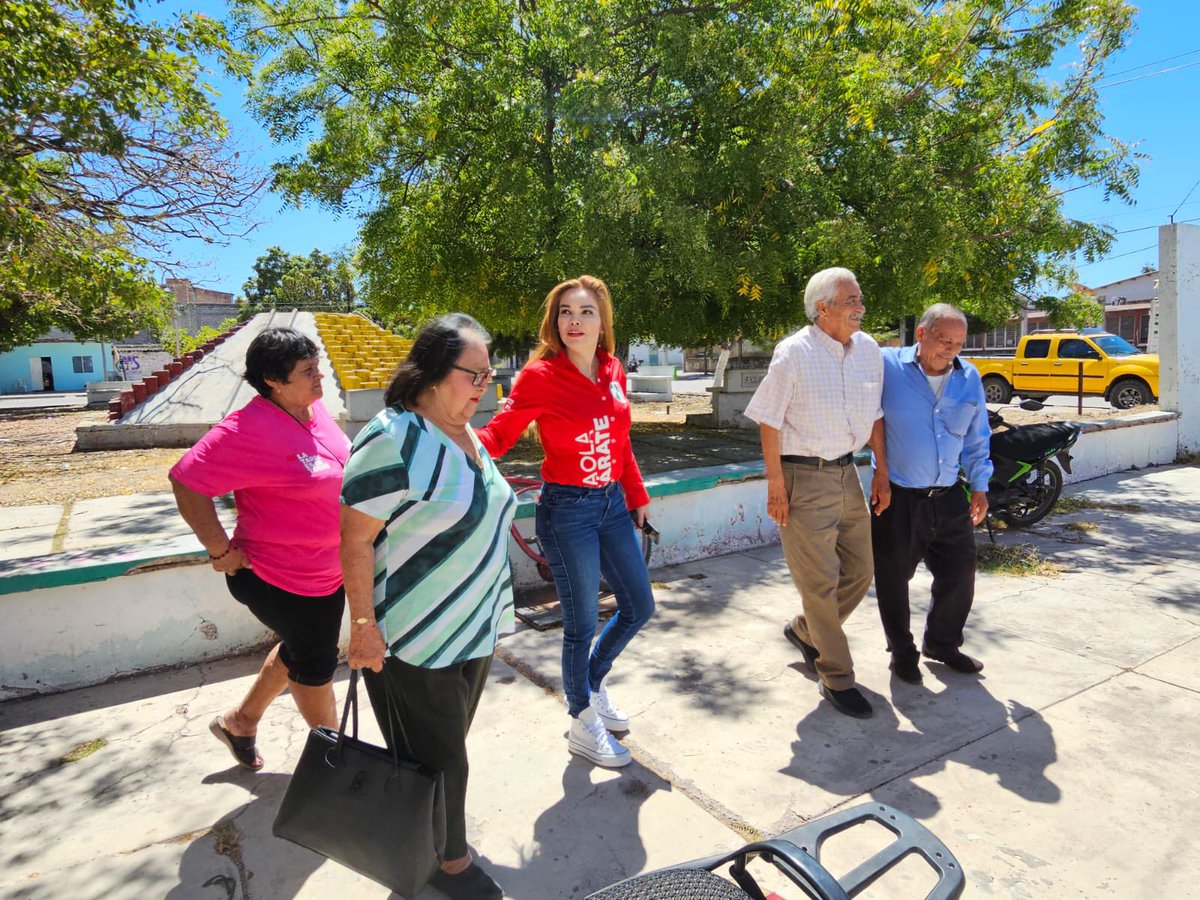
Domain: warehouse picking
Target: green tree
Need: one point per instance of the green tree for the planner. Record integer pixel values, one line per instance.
(109, 149)
(187, 342)
(1072, 311)
(703, 158)
(283, 279)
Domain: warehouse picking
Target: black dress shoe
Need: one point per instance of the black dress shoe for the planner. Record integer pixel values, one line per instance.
(956, 660)
(472, 883)
(810, 652)
(850, 701)
(906, 669)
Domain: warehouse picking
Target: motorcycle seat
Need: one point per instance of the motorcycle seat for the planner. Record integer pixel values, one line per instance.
(1033, 442)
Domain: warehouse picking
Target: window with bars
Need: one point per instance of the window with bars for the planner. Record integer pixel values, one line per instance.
(1005, 337)
(81, 364)
(1122, 326)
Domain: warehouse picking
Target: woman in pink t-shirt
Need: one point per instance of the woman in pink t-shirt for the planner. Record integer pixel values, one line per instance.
(283, 457)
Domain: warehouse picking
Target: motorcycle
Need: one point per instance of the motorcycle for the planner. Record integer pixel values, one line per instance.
(1027, 481)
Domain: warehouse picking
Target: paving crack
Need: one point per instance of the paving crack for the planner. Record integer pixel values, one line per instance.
(60, 533)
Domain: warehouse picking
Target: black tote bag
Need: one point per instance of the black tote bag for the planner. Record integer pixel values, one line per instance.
(368, 808)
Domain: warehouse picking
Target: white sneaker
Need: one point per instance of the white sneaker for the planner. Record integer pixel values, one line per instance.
(613, 717)
(588, 737)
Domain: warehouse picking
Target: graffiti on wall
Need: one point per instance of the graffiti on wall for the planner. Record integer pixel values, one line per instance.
(135, 363)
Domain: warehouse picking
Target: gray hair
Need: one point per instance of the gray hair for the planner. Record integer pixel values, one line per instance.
(940, 311)
(823, 286)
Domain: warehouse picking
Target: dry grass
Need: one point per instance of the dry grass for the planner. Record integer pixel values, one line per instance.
(1080, 502)
(83, 751)
(1082, 526)
(1018, 560)
(38, 462)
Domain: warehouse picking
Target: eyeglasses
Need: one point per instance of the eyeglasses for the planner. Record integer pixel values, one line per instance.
(478, 379)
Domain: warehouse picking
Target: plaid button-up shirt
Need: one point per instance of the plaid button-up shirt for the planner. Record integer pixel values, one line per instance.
(821, 396)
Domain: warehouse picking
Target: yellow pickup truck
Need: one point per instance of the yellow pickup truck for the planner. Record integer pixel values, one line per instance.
(1048, 363)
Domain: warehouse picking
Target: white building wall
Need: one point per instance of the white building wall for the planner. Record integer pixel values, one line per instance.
(1179, 328)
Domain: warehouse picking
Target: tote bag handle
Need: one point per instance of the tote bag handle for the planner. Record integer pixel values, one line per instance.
(350, 713)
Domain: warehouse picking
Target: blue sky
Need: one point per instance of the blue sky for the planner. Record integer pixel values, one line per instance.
(1151, 98)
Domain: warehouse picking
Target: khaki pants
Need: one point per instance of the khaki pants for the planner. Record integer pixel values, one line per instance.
(827, 544)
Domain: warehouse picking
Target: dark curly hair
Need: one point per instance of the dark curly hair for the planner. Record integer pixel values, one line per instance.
(273, 354)
(435, 351)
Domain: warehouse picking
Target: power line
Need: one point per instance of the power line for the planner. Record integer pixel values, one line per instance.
(1184, 200)
(1100, 85)
(1118, 256)
(1148, 227)
(1136, 211)
(1154, 62)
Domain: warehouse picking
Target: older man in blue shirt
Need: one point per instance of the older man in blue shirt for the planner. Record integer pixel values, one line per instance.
(935, 422)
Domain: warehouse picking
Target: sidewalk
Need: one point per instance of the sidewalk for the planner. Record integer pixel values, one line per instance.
(1066, 769)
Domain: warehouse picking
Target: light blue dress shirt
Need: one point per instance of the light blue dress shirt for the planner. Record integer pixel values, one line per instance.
(929, 439)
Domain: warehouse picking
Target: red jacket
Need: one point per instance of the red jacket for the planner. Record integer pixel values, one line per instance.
(584, 427)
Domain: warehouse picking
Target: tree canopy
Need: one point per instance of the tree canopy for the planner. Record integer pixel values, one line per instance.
(110, 148)
(283, 279)
(1073, 311)
(703, 158)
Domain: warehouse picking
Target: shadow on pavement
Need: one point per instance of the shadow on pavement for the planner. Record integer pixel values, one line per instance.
(131, 689)
(227, 861)
(578, 845)
(944, 725)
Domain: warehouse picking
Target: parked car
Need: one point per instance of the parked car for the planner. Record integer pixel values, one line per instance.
(1048, 363)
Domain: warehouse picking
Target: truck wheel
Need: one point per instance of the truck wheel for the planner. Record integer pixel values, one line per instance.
(996, 389)
(1129, 392)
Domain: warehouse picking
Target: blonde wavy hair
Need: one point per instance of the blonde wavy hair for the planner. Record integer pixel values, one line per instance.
(551, 342)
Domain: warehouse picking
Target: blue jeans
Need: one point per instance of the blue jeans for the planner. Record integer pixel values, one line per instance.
(585, 532)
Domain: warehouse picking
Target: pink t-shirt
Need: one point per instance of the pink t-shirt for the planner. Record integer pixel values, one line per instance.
(285, 476)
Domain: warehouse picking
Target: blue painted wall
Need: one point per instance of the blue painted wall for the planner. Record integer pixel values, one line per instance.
(14, 365)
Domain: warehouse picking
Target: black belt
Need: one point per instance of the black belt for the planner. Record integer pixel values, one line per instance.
(844, 460)
(924, 491)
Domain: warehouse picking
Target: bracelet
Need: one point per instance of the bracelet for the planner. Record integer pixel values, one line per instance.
(222, 555)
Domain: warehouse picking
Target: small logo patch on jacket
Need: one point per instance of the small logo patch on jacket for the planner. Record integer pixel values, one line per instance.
(615, 390)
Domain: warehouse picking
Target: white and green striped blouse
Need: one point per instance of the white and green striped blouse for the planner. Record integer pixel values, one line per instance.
(443, 587)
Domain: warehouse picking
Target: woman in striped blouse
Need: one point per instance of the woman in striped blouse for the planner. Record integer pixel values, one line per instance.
(425, 515)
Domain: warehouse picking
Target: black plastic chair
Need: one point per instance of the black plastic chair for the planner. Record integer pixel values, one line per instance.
(797, 854)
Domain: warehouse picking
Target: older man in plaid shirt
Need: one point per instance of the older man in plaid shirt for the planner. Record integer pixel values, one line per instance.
(819, 403)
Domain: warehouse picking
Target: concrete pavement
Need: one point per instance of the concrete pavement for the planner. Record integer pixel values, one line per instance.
(101, 522)
(1067, 768)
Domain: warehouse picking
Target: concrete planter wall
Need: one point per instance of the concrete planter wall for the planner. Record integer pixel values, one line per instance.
(100, 392)
(91, 616)
(730, 399)
(363, 404)
(74, 619)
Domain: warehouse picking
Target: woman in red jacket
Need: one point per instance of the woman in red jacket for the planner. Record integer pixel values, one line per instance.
(574, 388)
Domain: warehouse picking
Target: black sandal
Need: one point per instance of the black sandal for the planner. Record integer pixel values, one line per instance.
(243, 748)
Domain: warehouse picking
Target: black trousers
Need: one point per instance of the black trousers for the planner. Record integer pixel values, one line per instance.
(436, 707)
(938, 531)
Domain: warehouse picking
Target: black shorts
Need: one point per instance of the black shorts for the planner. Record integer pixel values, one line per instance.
(308, 627)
